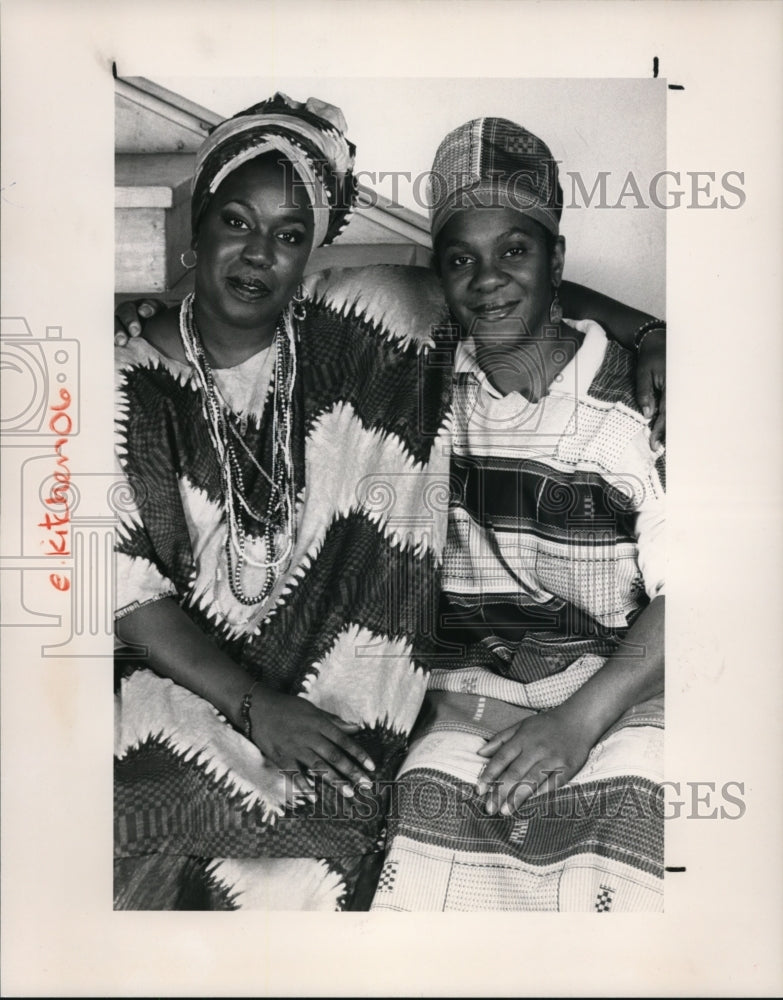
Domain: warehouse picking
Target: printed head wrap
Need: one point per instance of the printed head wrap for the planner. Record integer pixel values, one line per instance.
(311, 136)
(493, 162)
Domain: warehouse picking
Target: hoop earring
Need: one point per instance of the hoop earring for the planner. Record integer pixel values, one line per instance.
(299, 305)
(555, 309)
(188, 267)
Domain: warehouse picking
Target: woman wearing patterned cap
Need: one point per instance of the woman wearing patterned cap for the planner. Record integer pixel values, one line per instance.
(534, 781)
(268, 678)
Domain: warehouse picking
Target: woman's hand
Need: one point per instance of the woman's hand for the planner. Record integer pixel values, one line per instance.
(290, 731)
(651, 383)
(621, 323)
(539, 754)
(129, 318)
(546, 750)
(297, 736)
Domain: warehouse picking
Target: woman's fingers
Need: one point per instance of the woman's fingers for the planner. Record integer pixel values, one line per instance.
(316, 741)
(304, 788)
(339, 735)
(298, 784)
(498, 740)
(522, 780)
(651, 371)
(492, 748)
(544, 776)
(658, 431)
(507, 782)
(149, 307)
(509, 750)
(342, 725)
(645, 390)
(338, 768)
(126, 319)
(129, 317)
(343, 780)
(348, 727)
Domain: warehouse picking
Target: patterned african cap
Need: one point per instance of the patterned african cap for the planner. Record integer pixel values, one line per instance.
(311, 136)
(493, 162)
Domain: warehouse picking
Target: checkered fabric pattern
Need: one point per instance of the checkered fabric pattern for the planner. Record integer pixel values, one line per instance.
(388, 875)
(603, 901)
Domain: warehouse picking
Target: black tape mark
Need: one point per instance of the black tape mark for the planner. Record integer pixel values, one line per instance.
(114, 69)
(674, 868)
(656, 67)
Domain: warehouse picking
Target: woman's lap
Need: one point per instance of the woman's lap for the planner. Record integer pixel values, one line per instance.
(594, 845)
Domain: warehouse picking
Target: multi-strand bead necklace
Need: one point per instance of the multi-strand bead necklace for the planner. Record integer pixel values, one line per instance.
(277, 522)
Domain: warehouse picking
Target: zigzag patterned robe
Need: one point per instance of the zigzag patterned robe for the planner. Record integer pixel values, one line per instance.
(348, 624)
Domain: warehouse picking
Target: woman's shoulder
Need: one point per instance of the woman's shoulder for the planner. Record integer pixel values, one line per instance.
(149, 372)
(404, 301)
(160, 345)
(162, 332)
(607, 369)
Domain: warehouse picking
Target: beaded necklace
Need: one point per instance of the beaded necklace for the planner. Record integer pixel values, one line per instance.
(277, 521)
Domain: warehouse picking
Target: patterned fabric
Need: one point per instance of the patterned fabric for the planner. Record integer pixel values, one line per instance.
(595, 845)
(555, 528)
(493, 162)
(554, 546)
(309, 135)
(165, 882)
(347, 625)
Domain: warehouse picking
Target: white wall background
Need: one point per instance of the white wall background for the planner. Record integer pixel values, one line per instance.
(591, 125)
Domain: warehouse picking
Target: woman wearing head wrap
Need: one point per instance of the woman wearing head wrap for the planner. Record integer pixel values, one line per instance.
(272, 558)
(534, 783)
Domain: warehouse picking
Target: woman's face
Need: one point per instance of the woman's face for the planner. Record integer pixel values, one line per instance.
(252, 246)
(497, 272)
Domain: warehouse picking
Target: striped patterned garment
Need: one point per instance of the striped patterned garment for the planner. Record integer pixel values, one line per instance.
(555, 543)
(346, 625)
(555, 527)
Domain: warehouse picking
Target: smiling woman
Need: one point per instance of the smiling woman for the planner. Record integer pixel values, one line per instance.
(252, 245)
(287, 446)
(533, 781)
(498, 268)
(267, 678)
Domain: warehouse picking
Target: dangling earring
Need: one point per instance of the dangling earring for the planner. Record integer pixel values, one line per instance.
(188, 267)
(555, 309)
(299, 305)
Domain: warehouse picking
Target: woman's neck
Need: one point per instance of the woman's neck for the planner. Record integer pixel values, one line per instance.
(228, 346)
(529, 367)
